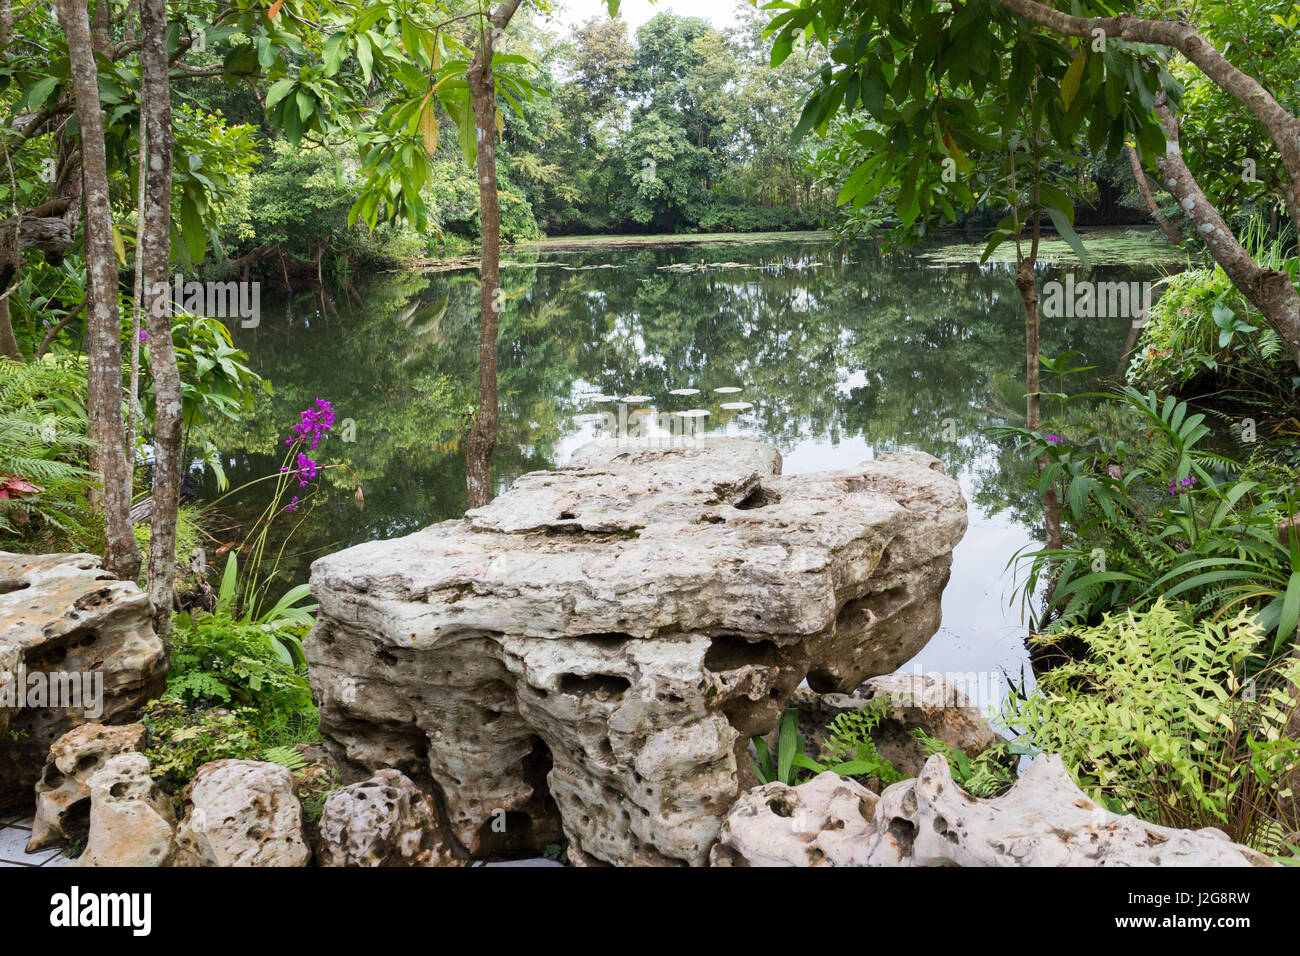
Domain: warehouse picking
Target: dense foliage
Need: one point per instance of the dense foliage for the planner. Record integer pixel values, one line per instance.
(1180, 723)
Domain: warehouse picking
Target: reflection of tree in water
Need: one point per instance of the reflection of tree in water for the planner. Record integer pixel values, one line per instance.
(828, 344)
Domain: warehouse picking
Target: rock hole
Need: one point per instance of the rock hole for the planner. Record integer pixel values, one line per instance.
(760, 497)
(600, 686)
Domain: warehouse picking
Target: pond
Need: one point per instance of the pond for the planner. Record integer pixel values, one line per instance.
(838, 354)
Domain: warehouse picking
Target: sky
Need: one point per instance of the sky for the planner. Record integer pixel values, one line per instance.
(721, 13)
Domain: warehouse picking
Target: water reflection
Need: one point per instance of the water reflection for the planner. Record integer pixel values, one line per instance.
(834, 355)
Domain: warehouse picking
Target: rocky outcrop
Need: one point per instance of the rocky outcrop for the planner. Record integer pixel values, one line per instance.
(131, 821)
(594, 648)
(241, 813)
(63, 791)
(826, 821)
(1044, 820)
(76, 645)
(384, 821)
(907, 703)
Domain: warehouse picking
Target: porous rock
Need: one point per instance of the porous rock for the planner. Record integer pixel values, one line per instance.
(241, 813)
(132, 822)
(594, 648)
(824, 822)
(63, 790)
(384, 821)
(1044, 820)
(66, 624)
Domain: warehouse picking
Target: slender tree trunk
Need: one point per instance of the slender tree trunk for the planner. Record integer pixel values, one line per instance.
(168, 427)
(482, 437)
(1028, 288)
(103, 323)
(1171, 233)
(8, 341)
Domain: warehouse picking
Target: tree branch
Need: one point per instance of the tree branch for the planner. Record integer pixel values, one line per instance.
(1282, 127)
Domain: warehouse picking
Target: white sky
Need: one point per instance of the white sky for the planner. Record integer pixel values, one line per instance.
(721, 13)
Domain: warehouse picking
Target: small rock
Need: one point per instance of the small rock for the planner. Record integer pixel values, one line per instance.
(384, 821)
(132, 822)
(1044, 820)
(242, 813)
(63, 790)
(824, 822)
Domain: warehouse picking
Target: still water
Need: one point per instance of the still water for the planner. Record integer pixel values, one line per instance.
(833, 354)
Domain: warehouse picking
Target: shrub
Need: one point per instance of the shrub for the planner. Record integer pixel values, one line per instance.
(1202, 331)
(181, 739)
(1181, 523)
(847, 750)
(219, 661)
(1175, 721)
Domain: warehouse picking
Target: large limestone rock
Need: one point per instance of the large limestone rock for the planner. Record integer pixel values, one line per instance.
(242, 813)
(907, 703)
(76, 645)
(1044, 820)
(131, 821)
(63, 791)
(594, 648)
(384, 821)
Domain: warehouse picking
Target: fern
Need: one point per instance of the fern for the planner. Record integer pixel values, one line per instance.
(288, 757)
(43, 441)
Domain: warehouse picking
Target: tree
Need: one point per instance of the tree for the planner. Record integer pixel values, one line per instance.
(154, 251)
(482, 436)
(103, 324)
(1269, 290)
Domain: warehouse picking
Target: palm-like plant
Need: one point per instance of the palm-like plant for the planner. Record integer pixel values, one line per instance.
(1180, 523)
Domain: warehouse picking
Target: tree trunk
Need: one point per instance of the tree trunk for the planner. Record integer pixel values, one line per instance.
(8, 342)
(1028, 288)
(156, 242)
(103, 324)
(1269, 290)
(482, 437)
(1171, 233)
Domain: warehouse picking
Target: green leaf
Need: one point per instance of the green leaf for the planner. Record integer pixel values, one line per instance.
(1073, 76)
(1062, 224)
(38, 93)
(787, 745)
(1286, 624)
(365, 56)
(229, 579)
(278, 91)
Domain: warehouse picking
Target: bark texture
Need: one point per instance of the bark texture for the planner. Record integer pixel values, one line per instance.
(156, 257)
(103, 329)
(482, 437)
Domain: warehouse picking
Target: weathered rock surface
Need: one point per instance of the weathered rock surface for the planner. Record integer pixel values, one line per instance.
(63, 790)
(906, 703)
(131, 821)
(826, 821)
(241, 813)
(596, 646)
(65, 626)
(384, 821)
(1044, 820)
